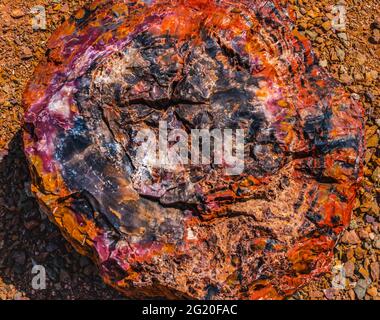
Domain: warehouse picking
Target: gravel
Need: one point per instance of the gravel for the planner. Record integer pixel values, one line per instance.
(351, 55)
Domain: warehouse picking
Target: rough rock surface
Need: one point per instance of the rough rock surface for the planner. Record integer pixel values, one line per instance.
(116, 68)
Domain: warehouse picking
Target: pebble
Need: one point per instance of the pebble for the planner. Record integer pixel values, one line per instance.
(349, 268)
(341, 54)
(350, 237)
(323, 63)
(364, 272)
(302, 26)
(343, 36)
(369, 219)
(345, 78)
(312, 34)
(315, 294)
(369, 97)
(372, 291)
(373, 141)
(371, 75)
(360, 253)
(375, 37)
(26, 53)
(326, 25)
(17, 13)
(374, 268)
(361, 288)
(355, 96)
(350, 253)
(329, 293)
(363, 234)
(358, 76)
(376, 175)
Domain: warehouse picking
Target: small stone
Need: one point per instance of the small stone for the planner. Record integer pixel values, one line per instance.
(343, 36)
(349, 268)
(367, 246)
(369, 97)
(358, 76)
(371, 76)
(364, 272)
(350, 253)
(363, 234)
(353, 225)
(372, 291)
(360, 253)
(323, 63)
(374, 268)
(312, 34)
(375, 37)
(350, 237)
(312, 14)
(329, 293)
(65, 8)
(361, 59)
(340, 53)
(355, 96)
(26, 53)
(319, 40)
(18, 296)
(376, 175)
(302, 26)
(361, 288)
(345, 78)
(369, 219)
(334, 57)
(326, 25)
(374, 40)
(315, 295)
(377, 244)
(373, 141)
(370, 131)
(375, 25)
(17, 13)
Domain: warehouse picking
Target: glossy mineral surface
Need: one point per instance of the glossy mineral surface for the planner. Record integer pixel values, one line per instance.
(190, 231)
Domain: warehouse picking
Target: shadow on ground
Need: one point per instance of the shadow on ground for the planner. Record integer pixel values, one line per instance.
(27, 238)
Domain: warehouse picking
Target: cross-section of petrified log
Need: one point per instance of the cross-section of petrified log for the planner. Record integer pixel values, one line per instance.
(120, 67)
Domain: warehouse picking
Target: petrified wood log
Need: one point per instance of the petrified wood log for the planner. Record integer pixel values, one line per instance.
(191, 231)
